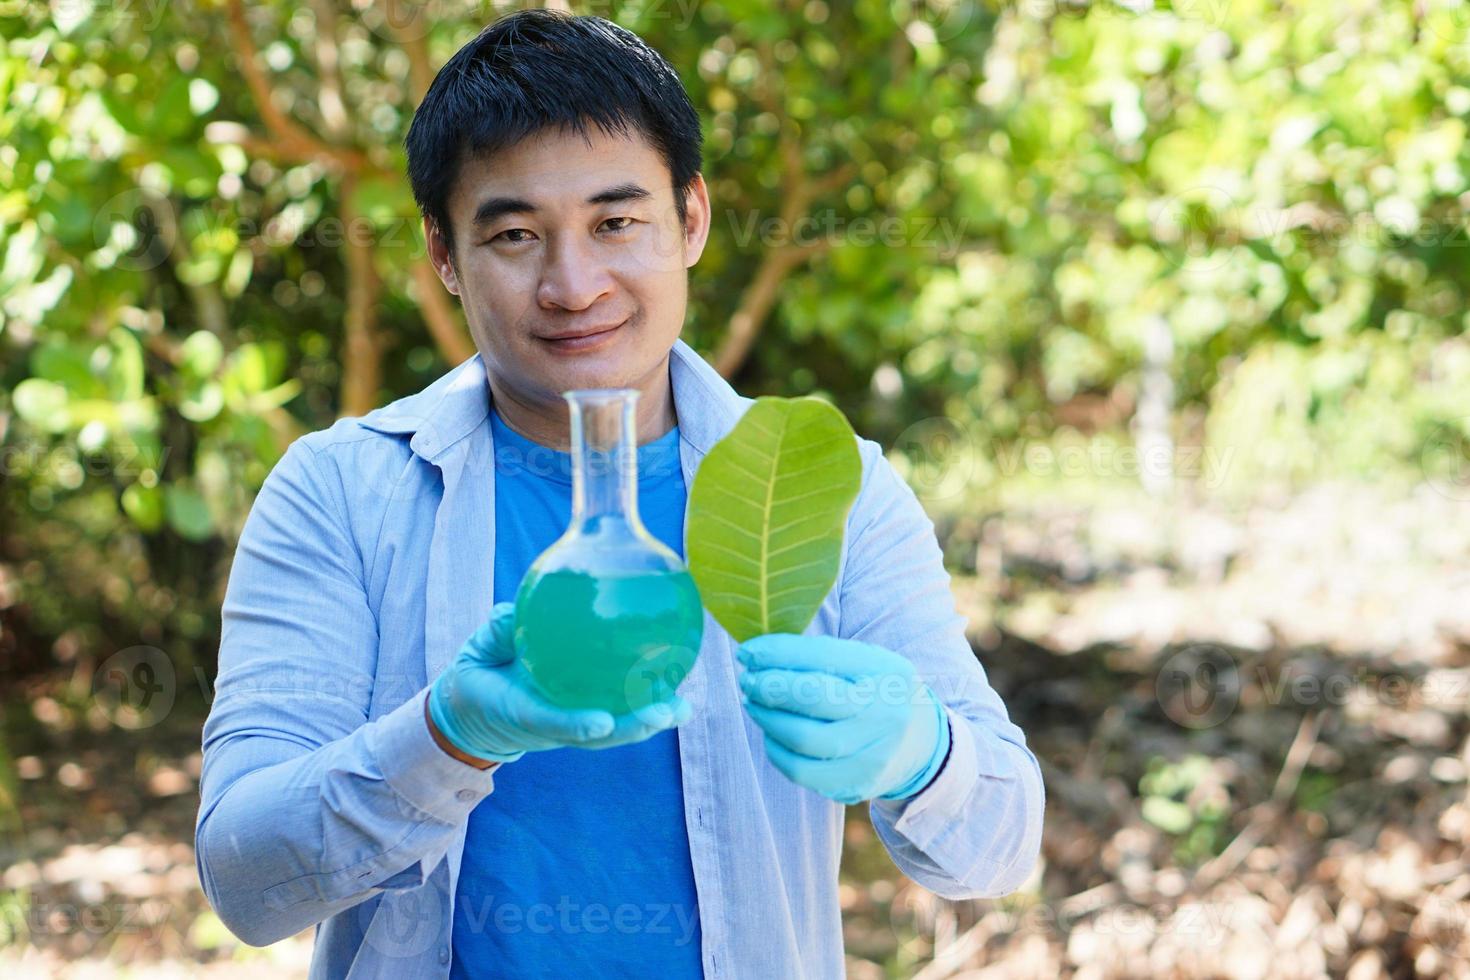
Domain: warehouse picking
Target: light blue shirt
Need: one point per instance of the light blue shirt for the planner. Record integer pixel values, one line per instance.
(359, 574)
(578, 864)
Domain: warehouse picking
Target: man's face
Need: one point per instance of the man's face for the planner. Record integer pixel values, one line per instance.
(563, 234)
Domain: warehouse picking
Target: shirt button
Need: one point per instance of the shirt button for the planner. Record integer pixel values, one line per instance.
(443, 954)
(465, 795)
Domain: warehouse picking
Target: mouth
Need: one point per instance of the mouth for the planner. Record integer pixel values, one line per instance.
(582, 342)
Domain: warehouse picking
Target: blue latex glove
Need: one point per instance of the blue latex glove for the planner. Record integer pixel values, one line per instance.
(847, 719)
(487, 706)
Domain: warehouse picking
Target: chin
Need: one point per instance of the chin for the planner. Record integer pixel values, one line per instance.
(590, 371)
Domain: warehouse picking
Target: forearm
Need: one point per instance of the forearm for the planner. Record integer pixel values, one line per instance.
(288, 837)
(975, 831)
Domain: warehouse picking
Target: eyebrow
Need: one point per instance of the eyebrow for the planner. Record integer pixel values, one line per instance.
(496, 207)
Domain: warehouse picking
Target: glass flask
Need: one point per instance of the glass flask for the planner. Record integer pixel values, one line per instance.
(608, 616)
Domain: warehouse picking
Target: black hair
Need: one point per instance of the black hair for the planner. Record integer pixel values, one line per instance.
(539, 69)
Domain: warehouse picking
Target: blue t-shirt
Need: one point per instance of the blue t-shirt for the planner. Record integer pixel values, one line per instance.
(578, 863)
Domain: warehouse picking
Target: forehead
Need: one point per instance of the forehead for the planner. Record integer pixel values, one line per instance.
(554, 168)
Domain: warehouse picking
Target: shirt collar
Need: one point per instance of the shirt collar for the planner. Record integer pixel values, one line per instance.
(459, 402)
(656, 458)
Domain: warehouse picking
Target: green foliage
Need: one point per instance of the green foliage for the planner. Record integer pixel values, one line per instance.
(14, 917)
(1317, 790)
(767, 512)
(170, 318)
(208, 932)
(982, 211)
(1188, 801)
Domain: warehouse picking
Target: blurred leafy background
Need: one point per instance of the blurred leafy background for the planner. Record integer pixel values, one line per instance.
(1160, 308)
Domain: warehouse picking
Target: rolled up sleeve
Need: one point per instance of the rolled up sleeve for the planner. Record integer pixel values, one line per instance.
(975, 830)
(307, 807)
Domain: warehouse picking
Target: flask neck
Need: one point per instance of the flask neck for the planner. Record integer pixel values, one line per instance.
(604, 457)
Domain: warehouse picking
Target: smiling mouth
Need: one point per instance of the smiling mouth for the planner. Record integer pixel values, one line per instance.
(584, 342)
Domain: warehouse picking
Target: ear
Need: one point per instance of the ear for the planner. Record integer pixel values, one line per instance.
(439, 255)
(697, 221)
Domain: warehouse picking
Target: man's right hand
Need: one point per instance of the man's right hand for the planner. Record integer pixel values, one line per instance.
(485, 704)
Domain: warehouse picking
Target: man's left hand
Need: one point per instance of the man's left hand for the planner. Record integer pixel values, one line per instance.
(848, 719)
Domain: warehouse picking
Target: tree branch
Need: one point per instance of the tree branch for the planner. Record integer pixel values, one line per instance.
(415, 44)
(334, 109)
(362, 352)
(225, 131)
(799, 190)
(756, 301)
(296, 140)
(449, 334)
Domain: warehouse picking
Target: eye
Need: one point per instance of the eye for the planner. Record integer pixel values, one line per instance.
(623, 227)
(505, 236)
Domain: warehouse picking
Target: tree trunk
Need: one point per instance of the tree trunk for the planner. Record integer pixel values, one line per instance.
(362, 348)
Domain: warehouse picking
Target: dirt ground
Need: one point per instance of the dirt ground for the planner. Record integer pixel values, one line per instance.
(1252, 724)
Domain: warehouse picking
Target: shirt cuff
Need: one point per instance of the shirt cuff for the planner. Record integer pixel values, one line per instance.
(422, 773)
(924, 816)
(937, 757)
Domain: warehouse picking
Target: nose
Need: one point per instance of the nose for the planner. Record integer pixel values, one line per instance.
(573, 277)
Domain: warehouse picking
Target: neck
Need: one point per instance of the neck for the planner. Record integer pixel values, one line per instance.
(547, 422)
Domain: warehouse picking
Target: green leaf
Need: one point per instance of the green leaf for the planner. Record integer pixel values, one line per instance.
(238, 273)
(123, 109)
(172, 115)
(125, 373)
(188, 514)
(209, 933)
(144, 505)
(275, 397)
(23, 257)
(248, 369)
(194, 172)
(68, 365)
(767, 512)
(201, 353)
(202, 401)
(1168, 815)
(42, 403)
